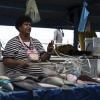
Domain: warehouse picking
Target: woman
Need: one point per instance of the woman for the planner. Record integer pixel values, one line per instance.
(23, 49)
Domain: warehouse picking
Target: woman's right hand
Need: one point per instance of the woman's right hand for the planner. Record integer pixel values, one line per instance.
(22, 63)
(12, 62)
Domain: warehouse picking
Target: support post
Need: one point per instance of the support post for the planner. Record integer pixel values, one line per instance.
(76, 20)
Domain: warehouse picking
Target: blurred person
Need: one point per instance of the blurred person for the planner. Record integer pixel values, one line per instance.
(58, 37)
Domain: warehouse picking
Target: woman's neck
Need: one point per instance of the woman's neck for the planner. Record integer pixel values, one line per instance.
(25, 38)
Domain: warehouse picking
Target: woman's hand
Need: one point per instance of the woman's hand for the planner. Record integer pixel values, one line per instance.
(22, 63)
(45, 56)
(50, 46)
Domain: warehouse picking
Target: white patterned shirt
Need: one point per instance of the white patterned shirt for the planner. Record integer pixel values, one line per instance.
(15, 50)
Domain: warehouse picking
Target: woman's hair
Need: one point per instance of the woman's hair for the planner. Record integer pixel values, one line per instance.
(21, 20)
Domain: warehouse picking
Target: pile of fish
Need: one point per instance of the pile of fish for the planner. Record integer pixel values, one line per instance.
(64, 75)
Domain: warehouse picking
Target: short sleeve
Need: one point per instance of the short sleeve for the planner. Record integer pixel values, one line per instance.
(10, 49)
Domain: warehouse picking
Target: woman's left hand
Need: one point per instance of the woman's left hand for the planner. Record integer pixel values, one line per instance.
(50, 46)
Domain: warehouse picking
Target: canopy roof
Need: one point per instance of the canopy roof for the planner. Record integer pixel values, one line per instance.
(53, 13)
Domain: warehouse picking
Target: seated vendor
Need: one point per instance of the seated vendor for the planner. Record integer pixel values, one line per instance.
(88, 33)
(23, 49)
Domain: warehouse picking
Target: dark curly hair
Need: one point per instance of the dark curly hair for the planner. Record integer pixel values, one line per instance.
(21, 20)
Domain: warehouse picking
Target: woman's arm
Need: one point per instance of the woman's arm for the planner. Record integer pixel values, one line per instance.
(11, 62)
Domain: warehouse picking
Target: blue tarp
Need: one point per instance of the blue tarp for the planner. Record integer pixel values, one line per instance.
(89, 92)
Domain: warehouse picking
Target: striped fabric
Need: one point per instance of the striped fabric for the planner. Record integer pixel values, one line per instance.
(15, 50)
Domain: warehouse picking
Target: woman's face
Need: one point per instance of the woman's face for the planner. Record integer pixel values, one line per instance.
(25, 28)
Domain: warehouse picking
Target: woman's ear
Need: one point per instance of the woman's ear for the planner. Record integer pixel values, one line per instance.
(19, 28)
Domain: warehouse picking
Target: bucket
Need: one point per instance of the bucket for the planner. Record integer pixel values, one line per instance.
(88, 44)
(96, 46)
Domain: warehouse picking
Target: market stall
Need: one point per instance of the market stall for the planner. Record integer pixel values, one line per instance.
(88, 91)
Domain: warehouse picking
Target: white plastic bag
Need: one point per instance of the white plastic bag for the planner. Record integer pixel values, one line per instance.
(32, 11)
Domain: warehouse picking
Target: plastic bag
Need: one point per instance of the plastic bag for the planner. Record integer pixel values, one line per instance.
(83, 18)
(32, 11)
